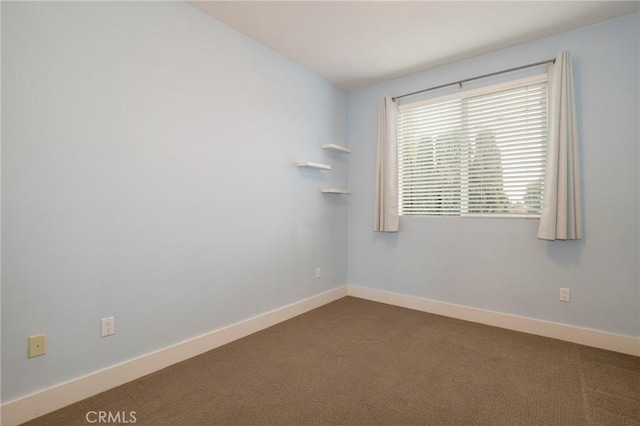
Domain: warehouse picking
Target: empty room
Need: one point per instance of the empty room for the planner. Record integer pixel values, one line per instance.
(320, 213)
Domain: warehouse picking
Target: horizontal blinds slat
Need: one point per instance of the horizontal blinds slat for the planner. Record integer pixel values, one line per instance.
(448, 128)
(514, 106)
(510, 104)
(437, 176)
(526, 139)
(458, 189)
(506, 172)
(441, 173)
(417, 165)
(499, 121)
(507, 148)
(498, 96)
(481, 154)
(517, 188)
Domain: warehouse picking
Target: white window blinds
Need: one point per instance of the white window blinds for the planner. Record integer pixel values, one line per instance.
(479, 152)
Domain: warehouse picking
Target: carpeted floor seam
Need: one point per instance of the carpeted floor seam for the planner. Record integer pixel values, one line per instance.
(583, 390)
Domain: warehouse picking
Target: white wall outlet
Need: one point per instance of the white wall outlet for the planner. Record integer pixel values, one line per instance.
(37, 345)
(318, 272)
(108, 326)
(565, 294)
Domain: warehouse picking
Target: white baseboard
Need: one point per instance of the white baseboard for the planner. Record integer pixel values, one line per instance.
(48, 400)
(54, 398)
(584, 336)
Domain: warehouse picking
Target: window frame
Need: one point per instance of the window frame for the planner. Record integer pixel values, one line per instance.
(530, 80)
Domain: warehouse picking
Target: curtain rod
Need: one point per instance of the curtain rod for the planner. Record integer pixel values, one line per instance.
(475, 78)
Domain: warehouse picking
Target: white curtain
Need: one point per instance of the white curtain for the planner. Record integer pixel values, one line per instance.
(386, 208)
(561, 217)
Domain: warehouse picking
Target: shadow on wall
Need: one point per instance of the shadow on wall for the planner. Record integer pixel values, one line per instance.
(389, 239)
(311, 174)
(335, 199)
(565, 252)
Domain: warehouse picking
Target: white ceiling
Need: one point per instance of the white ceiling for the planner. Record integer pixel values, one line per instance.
(356, 44)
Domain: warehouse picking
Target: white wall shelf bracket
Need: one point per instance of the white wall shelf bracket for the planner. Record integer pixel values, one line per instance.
(336, 191)
(312, 165)
(336, 148)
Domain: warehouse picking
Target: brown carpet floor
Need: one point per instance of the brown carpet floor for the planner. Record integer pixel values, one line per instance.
(356, 362)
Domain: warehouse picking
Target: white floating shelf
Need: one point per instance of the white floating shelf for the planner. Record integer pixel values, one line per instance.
(312, 165)
(336, 148)
(336, 191)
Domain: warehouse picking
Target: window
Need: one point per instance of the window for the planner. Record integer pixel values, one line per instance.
(480, 152)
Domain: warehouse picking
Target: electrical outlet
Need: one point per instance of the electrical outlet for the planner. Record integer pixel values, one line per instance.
(565, 294)
(318, 272)
(37, 345)
(108, 327)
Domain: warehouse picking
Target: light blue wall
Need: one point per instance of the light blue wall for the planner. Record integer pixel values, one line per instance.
(498, 264)
(148, 173)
